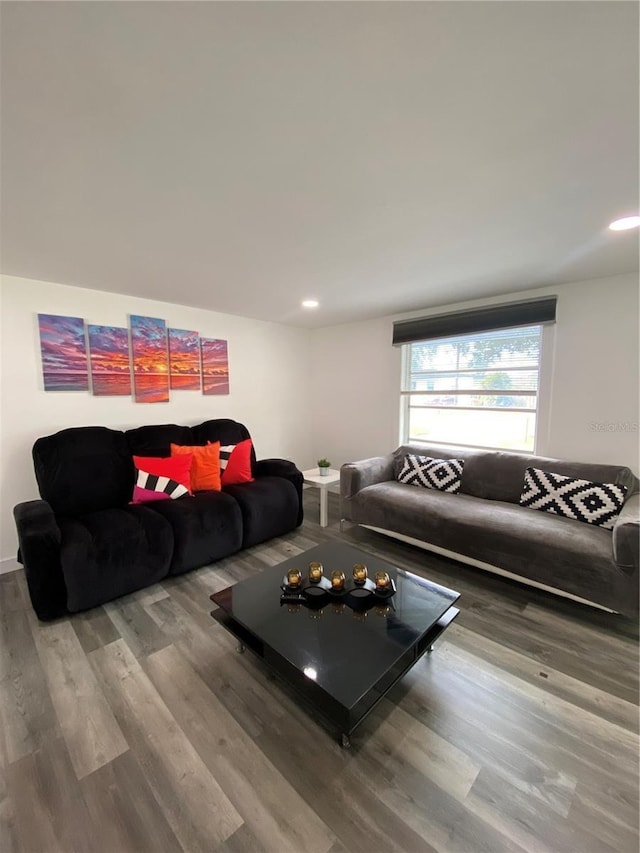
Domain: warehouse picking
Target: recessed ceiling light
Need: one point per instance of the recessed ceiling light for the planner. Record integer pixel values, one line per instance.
(310, 303)
(625, 223)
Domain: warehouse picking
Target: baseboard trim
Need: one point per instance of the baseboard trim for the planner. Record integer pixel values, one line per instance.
(486, 566)
(9, 564)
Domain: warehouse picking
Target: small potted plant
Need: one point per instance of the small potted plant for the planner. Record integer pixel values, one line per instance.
(323, 466)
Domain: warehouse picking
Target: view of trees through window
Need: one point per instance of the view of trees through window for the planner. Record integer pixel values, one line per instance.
(478, 389)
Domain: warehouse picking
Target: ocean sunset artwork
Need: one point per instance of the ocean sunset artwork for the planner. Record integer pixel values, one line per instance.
(64, 353)
(215, 366)
(150, 359)
(109, 359)
(184, 360)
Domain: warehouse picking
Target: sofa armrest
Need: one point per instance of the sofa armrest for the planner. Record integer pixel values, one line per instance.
(355, 476)
(282, 468)
(626, 534)
(39, 543)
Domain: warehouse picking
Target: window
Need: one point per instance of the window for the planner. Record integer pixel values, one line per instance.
(478, 389)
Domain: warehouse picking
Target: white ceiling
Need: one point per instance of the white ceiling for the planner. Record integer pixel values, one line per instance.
(381, 157)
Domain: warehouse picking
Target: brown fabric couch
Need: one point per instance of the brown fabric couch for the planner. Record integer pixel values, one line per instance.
(484, 525)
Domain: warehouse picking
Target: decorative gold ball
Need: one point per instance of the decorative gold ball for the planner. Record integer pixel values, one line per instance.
(359, 573)
(315, 571)
(382, 580)
(294, 577)
(337, 579)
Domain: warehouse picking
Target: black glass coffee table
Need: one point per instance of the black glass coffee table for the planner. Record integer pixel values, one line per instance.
(340, 659)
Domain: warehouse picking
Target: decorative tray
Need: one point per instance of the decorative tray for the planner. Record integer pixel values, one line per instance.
(316, 594)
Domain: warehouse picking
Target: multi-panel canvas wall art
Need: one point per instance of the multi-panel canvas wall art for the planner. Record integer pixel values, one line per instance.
(64, 354)
(184, 360)
(150, 359)
(109, 359)
(215, 366)
(158, 358)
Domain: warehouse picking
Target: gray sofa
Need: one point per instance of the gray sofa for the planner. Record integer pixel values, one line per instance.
(485, 526)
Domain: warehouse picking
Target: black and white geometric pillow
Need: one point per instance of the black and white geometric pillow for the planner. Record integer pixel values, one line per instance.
(445, 475)
(582, 500)
(160, 485)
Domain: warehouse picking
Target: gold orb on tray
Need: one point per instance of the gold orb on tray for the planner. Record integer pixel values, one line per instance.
(383, 581)
(337, 580)
(294, 578)
(359, 573)
(315, 571)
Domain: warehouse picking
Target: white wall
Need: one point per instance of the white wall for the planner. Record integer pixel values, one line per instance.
(590, 378)
(269, 366)
(331, 392)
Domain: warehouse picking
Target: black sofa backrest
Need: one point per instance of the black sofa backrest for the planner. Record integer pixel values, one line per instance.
(83, 469)
(156, 440)
(225, 431)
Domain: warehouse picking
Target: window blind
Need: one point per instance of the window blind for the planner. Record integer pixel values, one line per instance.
(507, 316)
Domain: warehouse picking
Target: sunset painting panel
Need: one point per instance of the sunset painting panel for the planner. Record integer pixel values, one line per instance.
(109, 358)
(64, 353)
(215, 366)
(150, 359)
(184, 360)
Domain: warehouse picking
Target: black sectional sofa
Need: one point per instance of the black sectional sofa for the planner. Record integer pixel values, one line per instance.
(84, 544)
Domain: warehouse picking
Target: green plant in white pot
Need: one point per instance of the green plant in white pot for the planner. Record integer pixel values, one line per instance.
(323, 466)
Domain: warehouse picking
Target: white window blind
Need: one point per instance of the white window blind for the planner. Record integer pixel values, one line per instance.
(477, 389)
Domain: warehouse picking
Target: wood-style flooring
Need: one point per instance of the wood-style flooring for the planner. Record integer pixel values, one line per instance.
(138, 727)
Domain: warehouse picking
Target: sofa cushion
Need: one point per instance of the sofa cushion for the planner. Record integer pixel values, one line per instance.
(582, 500)
(205, 465)
(83, 469)
(269, 508)
(156, 440)
(223, 430)
(112, 552)
(549, 549)
(206, 527)
(444, 475)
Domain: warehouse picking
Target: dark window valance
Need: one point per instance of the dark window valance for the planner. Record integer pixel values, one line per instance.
(507, 316)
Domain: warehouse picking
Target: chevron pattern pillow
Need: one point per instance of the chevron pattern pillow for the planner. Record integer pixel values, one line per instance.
(160, 478)
(445, 475)
(582, 500)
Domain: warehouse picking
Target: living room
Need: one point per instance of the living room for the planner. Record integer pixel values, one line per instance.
(214, 165)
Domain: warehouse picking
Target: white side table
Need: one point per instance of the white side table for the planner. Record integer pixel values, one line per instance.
(313, 478)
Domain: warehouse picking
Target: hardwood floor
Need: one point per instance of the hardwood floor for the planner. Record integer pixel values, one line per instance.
(138, 727)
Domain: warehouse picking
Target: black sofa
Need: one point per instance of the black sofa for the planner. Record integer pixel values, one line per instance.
(84, 544)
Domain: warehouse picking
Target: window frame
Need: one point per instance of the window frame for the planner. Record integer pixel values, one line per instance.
(540, 411)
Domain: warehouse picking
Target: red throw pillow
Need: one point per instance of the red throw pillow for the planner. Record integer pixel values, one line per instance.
(161, 478)
(205, 467)
(235, 463)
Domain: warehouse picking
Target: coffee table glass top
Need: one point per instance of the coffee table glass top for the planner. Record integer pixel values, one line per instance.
(343, 651)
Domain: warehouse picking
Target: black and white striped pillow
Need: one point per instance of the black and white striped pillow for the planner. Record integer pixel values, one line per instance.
(155, 487)
(445, 475)
(582, 500)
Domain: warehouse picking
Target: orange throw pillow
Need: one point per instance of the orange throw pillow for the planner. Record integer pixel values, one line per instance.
(205, 465)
